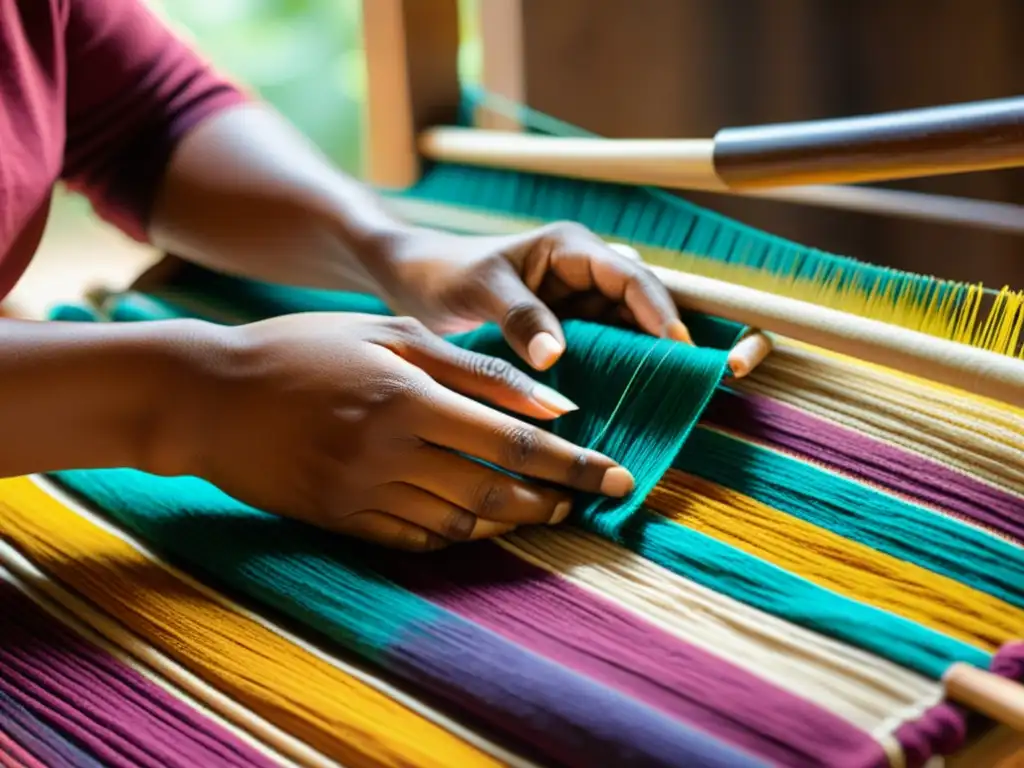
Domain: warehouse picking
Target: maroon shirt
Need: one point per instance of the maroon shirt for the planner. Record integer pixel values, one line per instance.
(94, 92)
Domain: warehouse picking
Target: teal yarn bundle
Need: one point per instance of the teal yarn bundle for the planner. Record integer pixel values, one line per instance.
(638, 395)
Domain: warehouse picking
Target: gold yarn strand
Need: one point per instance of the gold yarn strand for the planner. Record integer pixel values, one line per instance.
(834, 562)
(334, 712)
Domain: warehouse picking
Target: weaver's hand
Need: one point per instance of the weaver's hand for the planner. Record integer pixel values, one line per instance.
(350, 422)
(525, 282)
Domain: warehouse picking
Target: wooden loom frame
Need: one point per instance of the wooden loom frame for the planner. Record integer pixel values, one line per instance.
(412, 54)
(413, 85)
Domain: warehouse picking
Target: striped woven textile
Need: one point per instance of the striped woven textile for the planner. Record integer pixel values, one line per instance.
(822, 541)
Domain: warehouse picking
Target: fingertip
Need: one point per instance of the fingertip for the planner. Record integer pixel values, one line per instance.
(562, 510)
(553, 401)
(617, 482)
(544, 350)
(490, 529)
(748, 354)
(677, 331)
(739, 367)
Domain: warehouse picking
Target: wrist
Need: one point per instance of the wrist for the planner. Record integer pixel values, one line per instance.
(87, 396)
(189, 364)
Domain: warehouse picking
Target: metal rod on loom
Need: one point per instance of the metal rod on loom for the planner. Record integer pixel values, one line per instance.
(932, 141)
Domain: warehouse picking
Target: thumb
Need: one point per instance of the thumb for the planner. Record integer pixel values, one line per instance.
(530, 328)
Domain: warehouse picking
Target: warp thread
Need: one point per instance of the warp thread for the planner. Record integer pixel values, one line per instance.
(74, 699)
(869, 460)
(860, 513)
(838, 563)
(539, 611)
(864, 688)
(328, 709)
(973, 436)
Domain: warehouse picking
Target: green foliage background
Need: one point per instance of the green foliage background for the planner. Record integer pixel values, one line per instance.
(305, 57)
(302, 56)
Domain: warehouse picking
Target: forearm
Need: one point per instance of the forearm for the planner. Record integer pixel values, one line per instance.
(246, 194)
(82, 395)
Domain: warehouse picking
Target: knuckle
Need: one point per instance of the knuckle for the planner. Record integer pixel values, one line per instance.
(566, 230)
(626, 251)
(521, 317)
(458, 525)
(492, 500)
(495, 369)
(398, 391)
(580, 469)
(520, 445)
(408, 329)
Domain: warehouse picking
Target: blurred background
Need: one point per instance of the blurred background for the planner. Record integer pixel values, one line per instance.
(638, 68)
(303, 56)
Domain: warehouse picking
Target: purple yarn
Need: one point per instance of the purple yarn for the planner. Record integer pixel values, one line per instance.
(38, 739)
(101, 707)
(564, 716)
(867, 459)
(942, 730)
(597, 639)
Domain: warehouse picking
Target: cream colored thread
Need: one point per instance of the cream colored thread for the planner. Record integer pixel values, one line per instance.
(857, 686)
(966, 434)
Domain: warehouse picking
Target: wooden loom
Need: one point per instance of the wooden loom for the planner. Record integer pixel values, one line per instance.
(413, 99)
(411, 46)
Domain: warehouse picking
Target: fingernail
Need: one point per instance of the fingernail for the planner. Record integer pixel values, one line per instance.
(739, 366)
(617, 481)
(552, 400)
(544, 350)
(561, 512)
(488, 529)
(678, 332)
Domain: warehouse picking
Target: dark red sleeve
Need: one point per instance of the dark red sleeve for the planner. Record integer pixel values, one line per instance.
(133, 90)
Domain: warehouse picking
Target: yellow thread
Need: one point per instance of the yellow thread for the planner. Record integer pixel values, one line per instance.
(832, 561)
(333, 712)
(954, 316)
(943, 317)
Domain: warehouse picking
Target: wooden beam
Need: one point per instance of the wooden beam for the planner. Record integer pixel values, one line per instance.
(503, 68)
(412, 51)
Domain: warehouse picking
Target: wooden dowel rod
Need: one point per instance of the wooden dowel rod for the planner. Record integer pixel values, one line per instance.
(670, 163)
(996, 697)
(984, 373)
(905, 145)
(971, 369)
(687, 164)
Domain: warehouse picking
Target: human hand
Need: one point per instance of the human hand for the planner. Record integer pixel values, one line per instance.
(523, 283)
(351, 422)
